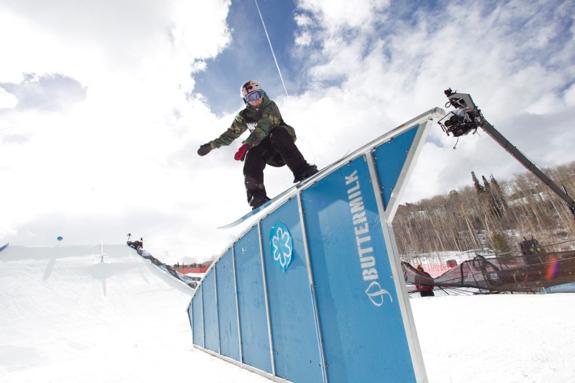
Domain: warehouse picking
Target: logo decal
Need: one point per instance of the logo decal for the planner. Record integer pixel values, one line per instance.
(363, 241)
(281, 245)
(376, 294)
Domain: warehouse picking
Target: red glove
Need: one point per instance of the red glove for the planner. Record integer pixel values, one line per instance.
(241, 153)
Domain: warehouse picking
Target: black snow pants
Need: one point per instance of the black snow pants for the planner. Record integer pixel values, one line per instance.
(277, 149)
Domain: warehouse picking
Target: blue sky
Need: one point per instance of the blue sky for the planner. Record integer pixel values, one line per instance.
(249, 55)
(104, 104)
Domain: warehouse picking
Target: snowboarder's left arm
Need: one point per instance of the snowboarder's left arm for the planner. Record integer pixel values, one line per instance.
(271, 119)
(234, 131)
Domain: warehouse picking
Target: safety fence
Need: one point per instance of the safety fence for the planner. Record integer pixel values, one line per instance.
(314, 291)
(526, 273)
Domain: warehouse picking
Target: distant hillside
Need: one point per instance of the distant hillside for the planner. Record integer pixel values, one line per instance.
(490, 213)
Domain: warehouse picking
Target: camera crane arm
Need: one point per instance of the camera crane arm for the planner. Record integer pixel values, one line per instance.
(467, 117)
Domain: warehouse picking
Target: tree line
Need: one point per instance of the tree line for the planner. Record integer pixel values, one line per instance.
(490, 213)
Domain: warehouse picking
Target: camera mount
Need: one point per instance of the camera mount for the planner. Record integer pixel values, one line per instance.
(467, 117)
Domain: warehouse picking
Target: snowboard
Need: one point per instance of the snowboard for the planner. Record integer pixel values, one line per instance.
(272, 201)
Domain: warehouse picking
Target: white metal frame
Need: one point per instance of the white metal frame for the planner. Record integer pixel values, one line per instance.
(237, 304)
(203, 319)
(312, 289)
(266, 301)
(243, 365)
(217, 309)
(386, 216)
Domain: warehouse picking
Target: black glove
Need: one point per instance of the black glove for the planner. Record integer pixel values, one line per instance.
(205, 149)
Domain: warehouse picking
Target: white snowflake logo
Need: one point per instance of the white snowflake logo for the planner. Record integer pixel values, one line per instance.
(281, 245)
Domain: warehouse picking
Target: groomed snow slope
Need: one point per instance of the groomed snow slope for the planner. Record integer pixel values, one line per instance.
(497, 338)
(70, 315)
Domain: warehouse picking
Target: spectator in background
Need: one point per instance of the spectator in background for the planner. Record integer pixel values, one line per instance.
(424, 282)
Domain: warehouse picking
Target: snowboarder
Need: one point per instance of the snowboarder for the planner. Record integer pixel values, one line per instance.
(271, 142)
(137, 245)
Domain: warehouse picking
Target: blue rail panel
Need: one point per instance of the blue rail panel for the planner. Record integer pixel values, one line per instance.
(198, 317)
(251, 302)
(335, 316)
(211, 327)
(363, 331)
(295, 340)
(389, 158)
(228, 314)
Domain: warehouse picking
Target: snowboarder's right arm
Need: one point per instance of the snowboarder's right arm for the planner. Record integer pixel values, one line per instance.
(238, 127)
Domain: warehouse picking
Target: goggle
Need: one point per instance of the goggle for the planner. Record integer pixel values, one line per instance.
(254, 96)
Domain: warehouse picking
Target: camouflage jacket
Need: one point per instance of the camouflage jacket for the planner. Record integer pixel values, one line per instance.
(260, 121)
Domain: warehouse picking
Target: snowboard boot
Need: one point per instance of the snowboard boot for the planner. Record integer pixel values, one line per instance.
(256, 192)
(258, 200)
(307, 172)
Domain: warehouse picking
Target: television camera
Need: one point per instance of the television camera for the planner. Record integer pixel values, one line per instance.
(467, 117)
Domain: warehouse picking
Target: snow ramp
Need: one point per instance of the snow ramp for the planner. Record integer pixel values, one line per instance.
(313, 291)
(95, 314)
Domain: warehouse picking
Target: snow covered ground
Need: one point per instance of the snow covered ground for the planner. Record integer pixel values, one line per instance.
(497, 338)
(67, 317)
(70, 315)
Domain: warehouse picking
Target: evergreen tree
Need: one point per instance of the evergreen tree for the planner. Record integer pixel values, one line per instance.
(499, 192)
(476, 183)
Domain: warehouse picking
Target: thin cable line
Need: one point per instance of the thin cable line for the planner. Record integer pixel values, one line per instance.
(271, 47)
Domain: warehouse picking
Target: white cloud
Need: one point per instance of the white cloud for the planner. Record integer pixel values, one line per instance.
(93, 170)
(513, 58)
(124, 159)
(303, 39)
(338, 14)
(7, 100)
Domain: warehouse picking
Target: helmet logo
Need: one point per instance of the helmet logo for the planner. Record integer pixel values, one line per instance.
(249, 86)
